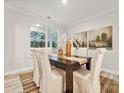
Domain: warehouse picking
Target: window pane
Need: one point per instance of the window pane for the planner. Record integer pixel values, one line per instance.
(37, 36)
(33, 35)
(36, 44)
(42, 44)
(54, 44)
(52, 37)
(32, 43)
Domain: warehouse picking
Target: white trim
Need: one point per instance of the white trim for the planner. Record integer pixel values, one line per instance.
(49, 22)
(110, 74)
(104, 72)
(19, 71)
(57, 23)
(93, 16)
(109, 71)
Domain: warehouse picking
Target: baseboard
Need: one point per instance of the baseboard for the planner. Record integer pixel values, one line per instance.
(104, 72)
(110, 74)
(20, 71)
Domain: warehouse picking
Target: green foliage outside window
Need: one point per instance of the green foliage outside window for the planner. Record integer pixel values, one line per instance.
(52, 37)
(37, 39)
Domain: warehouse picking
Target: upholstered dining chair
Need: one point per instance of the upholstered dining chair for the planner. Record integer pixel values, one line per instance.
(51, 80)
(89, 81)
(80, 52)
(36, 72)
(83, 52)
(50, 50)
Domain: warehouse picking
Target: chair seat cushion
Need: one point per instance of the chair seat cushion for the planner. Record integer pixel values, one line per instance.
(56, 72)
(82, 72)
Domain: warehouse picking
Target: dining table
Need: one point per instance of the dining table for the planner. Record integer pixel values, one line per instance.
(69, 64)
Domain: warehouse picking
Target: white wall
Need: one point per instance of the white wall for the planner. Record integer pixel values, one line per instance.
(17, 40)
(109, 18)
(9, 43)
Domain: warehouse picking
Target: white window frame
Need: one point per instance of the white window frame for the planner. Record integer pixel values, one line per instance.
(46, 35)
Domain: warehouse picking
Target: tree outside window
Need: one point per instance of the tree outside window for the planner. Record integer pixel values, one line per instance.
(38, 37)
(52, 37)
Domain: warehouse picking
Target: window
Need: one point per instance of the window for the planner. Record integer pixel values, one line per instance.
(37, 39)
(42, 36)
(37, 36)
(52, 37)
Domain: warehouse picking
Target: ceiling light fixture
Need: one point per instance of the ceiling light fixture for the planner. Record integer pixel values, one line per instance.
(37, 25)
(64, 1)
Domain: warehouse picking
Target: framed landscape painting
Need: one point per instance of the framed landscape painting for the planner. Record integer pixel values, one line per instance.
(100, 38)
(80, 39)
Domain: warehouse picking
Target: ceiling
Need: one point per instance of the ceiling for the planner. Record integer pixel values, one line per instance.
(73, 11)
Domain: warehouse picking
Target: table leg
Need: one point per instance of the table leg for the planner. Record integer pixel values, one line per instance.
(69, 80)
(88, 65)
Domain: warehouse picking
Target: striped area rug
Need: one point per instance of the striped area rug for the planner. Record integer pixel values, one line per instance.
(12, 84)
(28, 85)
(107, 85)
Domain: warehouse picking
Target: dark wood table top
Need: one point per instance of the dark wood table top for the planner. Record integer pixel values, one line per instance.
(68, 60)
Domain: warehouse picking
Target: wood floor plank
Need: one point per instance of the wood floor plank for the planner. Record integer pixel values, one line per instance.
(103, 81)
(106, 85)
(101, 78)
(109, 89)
(28, 82)
(115, 88)
(29, 85)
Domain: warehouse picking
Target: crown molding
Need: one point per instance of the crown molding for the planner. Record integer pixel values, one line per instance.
(95, 15)
(57, 23)
(42, 18)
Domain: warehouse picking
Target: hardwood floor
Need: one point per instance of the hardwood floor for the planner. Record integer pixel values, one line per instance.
(108, 85)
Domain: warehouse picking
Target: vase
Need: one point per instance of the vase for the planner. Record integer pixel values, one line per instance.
(60, 52)
(68, 48)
